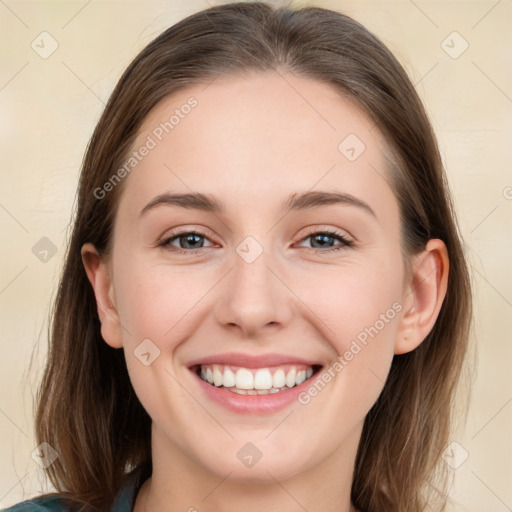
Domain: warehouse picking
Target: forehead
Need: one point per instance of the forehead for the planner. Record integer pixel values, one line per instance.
(259, 137)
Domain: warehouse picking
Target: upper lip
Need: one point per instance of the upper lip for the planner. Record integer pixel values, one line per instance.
(252, 361)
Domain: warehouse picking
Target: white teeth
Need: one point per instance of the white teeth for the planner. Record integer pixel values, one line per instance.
(300, 377)
(229, 380)
(244, 379)
(260, 382)
(290, 378)
(217, 376)
(263, 379)
(279, 379)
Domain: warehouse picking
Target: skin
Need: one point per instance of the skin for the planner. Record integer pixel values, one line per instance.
(251, 141)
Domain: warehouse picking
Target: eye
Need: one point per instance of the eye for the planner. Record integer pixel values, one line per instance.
(322, 241)
(188, 242)
(192, 241)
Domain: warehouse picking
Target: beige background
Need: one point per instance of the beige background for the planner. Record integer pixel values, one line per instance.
(49, 107)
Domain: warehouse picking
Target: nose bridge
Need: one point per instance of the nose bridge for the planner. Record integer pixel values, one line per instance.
(253, 296)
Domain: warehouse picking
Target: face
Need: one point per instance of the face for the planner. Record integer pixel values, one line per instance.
(289, 262)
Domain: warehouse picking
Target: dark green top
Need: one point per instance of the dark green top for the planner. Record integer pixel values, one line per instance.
(124, 501)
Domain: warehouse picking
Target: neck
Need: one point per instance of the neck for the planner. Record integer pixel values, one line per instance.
(179, 482)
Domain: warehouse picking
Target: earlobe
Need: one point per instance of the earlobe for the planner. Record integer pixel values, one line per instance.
(99, 277)
(424, 296)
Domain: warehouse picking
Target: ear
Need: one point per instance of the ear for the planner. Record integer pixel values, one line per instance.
(423, 296)
(99, 276)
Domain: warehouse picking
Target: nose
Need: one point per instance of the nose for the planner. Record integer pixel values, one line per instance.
(254, 297)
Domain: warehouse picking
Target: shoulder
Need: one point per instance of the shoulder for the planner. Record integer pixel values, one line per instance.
(124, 501)
(38, 505)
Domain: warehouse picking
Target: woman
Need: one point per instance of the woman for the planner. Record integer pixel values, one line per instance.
(265, 229)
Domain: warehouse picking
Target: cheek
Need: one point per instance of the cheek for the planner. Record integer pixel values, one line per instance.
(158, 306)
(359, 309)
(154, 301)
(155, 309)
(351, 299)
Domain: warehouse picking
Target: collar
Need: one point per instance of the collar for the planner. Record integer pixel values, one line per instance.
(125, 499)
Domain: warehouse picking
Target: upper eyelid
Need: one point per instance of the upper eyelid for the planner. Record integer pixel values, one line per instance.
(173, 236)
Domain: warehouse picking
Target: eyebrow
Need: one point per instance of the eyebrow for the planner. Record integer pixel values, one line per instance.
(302, 201)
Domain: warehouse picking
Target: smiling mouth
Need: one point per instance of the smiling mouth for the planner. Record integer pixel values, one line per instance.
(255, 381)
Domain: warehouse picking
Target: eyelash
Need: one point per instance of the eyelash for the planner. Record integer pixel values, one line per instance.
(345, 242)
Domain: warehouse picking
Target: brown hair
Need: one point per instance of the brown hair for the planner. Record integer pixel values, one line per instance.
(87, 409)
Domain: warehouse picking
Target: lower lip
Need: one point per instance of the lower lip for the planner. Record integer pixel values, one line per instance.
(253, 404)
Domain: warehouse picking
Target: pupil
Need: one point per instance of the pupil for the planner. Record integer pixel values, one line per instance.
(190, 239)
(322, 239)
